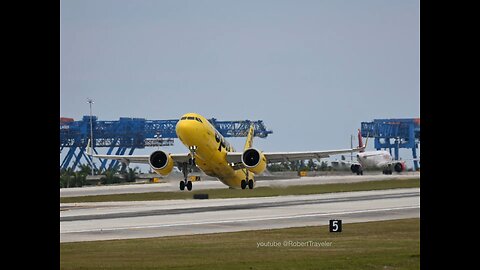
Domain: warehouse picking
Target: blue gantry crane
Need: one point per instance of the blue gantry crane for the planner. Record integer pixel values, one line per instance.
(132, 133)
(394, 133)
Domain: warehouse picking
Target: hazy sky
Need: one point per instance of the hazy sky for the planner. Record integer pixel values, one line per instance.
(312, 70)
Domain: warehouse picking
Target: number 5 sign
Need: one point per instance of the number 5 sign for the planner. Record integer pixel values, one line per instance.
(335, 225)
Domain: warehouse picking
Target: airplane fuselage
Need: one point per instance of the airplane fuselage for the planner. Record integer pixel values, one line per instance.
(211, 149)
(374, 159)
(379, 160)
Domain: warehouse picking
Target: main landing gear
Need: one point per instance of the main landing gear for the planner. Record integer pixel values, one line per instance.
(246, 182)
(387, 171)
(187, 184)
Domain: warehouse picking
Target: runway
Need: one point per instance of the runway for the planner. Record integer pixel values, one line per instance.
(127, 220)
(202, 185)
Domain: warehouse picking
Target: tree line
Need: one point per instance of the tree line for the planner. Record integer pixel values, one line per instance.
(299, 165)
(78, 178)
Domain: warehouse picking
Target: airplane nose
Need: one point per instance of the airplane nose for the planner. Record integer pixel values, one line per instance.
(187, 131)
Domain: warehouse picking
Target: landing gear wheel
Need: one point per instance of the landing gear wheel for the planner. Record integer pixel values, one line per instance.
(250, 184)
(244, 184)
(189, 185)
(182, 185)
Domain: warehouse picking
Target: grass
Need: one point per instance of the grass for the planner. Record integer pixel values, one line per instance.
(257, 192)
(372, 245)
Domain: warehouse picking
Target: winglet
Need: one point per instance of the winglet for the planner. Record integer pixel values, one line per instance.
(249, 142)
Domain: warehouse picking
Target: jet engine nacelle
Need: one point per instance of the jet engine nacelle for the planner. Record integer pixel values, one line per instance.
(399, 167)
(355, 168)
(161, 162)
(254, 160)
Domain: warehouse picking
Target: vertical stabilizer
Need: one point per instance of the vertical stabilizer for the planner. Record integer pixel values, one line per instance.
(360, 141)
(249, 142)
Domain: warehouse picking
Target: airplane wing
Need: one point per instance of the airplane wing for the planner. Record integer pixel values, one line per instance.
(345, 162)
(178, 158)
(273, 157)
(125, 158)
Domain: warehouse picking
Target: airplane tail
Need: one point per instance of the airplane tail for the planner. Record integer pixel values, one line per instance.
(248, 145)
(360, 141)
(249, 142)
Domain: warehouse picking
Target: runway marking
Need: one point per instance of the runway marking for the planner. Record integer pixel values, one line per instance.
(245, 220)
(246, 205)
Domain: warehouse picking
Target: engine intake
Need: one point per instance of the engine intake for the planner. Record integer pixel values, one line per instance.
(399, 167)
(161, 162)
(254, 160)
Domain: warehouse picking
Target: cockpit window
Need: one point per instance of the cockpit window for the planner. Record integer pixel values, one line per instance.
(190, 118)
(198, 119)
(183, 118)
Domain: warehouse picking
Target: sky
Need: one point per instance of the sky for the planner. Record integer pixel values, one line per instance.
(311, 70)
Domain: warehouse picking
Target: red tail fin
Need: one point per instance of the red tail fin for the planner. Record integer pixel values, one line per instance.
(360, 141)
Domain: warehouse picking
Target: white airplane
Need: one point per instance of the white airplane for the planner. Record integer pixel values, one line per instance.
(212, 154)
(381, 160)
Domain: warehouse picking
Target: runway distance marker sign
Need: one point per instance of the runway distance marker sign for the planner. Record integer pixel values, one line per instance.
(335, 225)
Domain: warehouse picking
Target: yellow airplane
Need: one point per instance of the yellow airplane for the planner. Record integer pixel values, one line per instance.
(212, 154)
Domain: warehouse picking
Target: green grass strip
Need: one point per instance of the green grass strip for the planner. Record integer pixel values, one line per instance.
(372, 245)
